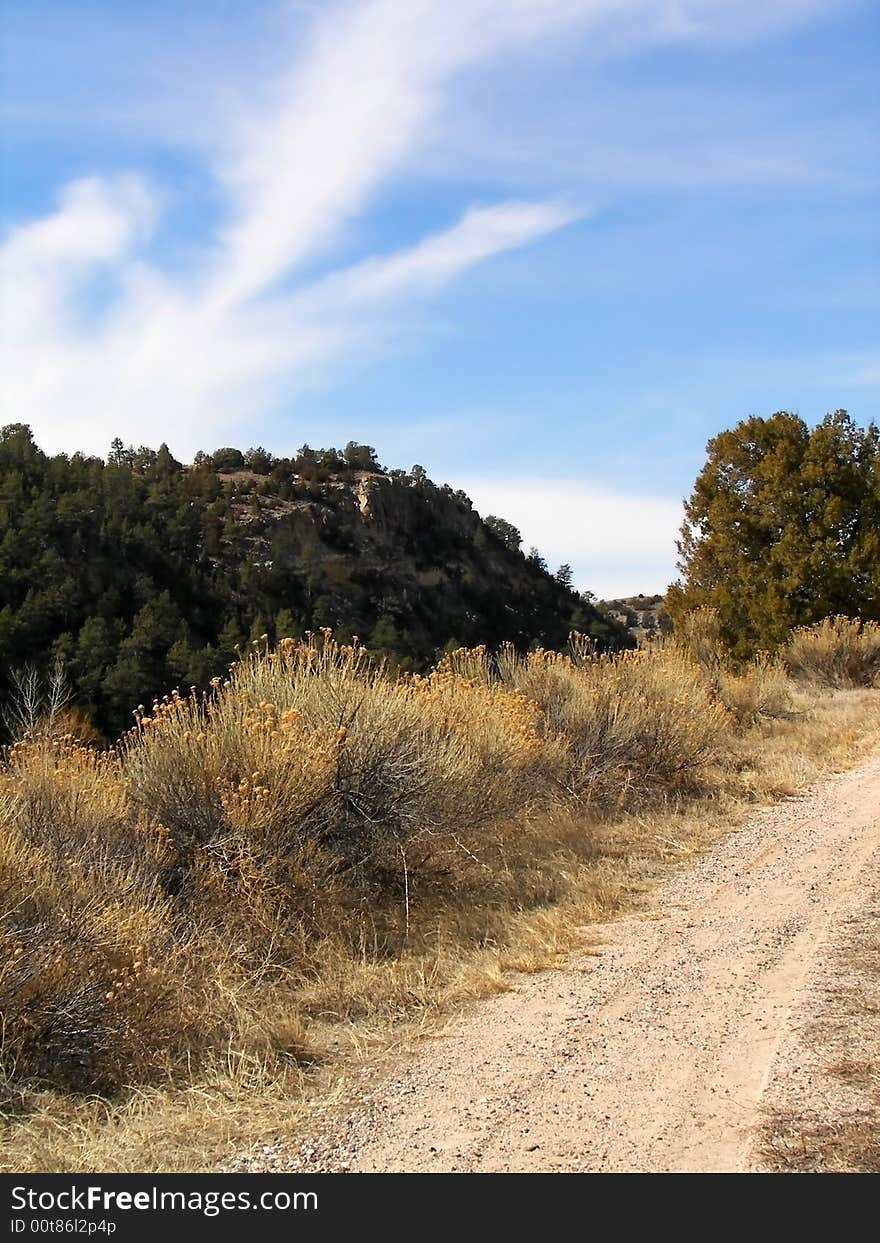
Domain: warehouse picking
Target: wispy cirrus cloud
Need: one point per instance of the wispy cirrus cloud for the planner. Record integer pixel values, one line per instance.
(100, 336)
(168, 357)
(171, 352)
(97, 223)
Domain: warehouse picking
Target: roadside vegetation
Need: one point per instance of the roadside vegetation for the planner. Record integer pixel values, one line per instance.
(782, 529)
(207, 925)
(829, 1121)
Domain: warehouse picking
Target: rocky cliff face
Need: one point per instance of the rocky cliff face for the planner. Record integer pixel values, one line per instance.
(407, 566)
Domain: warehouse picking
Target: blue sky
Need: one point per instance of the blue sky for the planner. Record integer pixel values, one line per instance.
(546, 248)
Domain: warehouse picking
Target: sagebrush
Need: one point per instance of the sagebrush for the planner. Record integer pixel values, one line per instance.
(260, 857)
(839, 651)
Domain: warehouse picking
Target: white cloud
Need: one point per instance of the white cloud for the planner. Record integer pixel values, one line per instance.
(618, 544)
(97, 223)
(175, 364)
(100, 340)
(349, 116)
(165, 355)
(481, 233)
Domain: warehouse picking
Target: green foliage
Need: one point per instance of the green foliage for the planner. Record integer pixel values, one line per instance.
(259, 460)
(782, 529)
(360, 457)
(228, 459)
(141, 574)
(505, 531)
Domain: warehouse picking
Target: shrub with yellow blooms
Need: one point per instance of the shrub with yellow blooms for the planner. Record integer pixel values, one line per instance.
(238, 845)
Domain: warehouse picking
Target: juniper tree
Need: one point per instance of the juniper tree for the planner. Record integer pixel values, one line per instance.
(782, 528)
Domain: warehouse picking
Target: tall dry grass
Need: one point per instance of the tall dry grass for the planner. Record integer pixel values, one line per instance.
(839, 651)
(259, 878)
(623, 725)
(751, 691)
(93, 973)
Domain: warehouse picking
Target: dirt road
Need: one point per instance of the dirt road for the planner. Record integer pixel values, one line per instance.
(655, 1054)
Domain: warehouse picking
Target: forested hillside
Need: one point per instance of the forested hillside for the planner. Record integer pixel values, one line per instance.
(142, 574)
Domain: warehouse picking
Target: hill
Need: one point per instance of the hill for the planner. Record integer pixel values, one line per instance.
(644, 617)
(141, 574)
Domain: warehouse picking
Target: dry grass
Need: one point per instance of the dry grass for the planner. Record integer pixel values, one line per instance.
(760, 692)
(631, 724)
(262, 886)
(842, 1068)
(839, 651)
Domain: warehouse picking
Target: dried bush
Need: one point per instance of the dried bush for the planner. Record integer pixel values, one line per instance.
(759, 691)
(93, 991)
(623, 723)
(270, 839)
(839, 651)
(698, 635)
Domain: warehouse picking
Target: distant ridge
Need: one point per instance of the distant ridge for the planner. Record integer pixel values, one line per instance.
(141, 574)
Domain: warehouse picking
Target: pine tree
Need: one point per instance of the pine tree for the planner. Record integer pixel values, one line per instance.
(781, 528)
(93, 656)
(144, 575)
(505, 531)
(285, 625)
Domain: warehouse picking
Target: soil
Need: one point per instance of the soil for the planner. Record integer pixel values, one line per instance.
(653, 1052)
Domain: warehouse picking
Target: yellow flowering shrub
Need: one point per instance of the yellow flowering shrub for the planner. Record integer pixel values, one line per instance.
(206, 765)
(630, 720)
(91, 967)
(309, 801)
